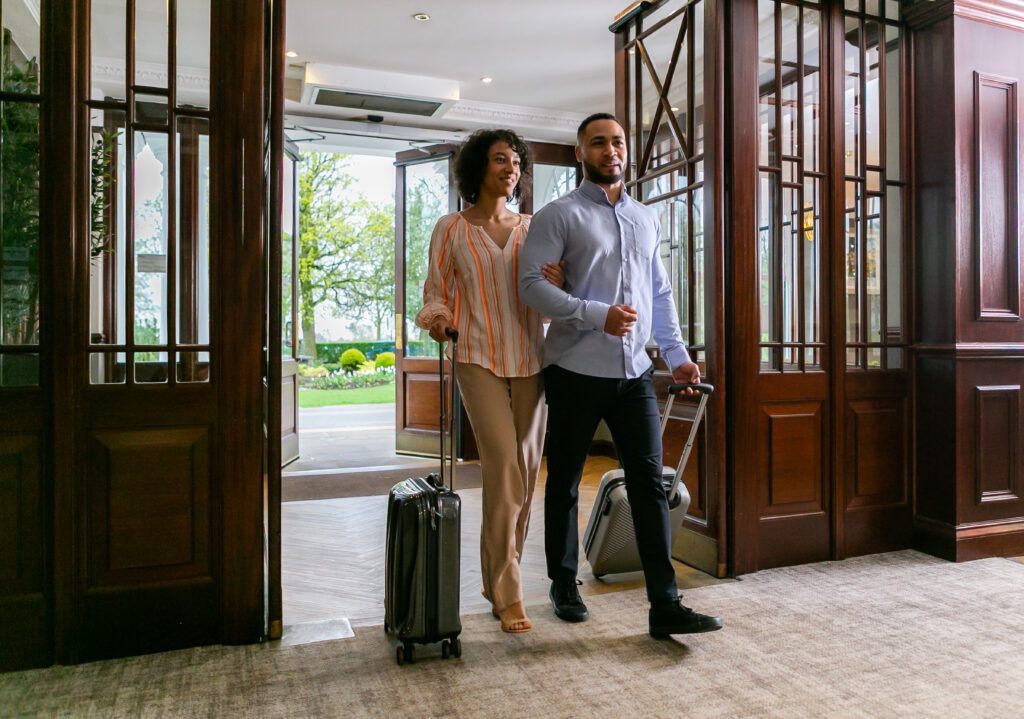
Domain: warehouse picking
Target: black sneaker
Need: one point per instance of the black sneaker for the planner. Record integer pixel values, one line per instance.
(674, 618)
(565, 599)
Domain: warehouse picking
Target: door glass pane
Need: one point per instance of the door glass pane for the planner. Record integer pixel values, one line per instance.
(107, 32)
(19, 224)
(697, 238)
(894, 264)
(551, 182)
(151, 42)
(106, 228)
(150, 227)
(426, 201)
(287, 256)
(193, 52)
(892, 102)
(193, 247)
(812, 90)
(20, 47)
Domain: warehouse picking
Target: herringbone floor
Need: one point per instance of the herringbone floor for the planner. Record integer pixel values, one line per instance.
(333, 556)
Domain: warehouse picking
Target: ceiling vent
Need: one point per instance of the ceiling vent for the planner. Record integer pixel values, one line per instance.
(374, 91)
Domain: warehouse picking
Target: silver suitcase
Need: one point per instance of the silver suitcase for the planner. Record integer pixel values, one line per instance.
(610, 541)
(421, 589)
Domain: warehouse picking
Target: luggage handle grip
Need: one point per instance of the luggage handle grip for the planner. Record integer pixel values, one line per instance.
(702, 387)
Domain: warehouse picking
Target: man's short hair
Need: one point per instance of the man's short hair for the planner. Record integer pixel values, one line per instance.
(593, 118)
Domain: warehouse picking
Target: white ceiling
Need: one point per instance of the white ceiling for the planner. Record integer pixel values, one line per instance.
(551, 61)
(548, 59)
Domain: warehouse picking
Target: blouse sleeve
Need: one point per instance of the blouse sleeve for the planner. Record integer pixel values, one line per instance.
(439, 286)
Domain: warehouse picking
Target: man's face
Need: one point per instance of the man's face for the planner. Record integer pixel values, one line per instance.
(602, 151)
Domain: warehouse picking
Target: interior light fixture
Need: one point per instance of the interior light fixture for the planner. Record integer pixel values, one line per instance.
(675, 109)
(486, 80)
(421, 16)
(291, 53)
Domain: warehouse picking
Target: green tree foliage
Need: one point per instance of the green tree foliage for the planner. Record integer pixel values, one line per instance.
(345, 246)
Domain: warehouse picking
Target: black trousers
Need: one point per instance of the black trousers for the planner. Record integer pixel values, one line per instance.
(576, 404)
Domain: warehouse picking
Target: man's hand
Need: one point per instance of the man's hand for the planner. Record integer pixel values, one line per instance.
(688, 373)
(439, 329)
(620, 321)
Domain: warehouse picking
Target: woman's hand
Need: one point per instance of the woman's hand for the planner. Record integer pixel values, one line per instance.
(439, 330)
(554, 273)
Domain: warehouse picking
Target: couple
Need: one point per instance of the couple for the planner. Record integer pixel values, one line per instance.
(589, 261)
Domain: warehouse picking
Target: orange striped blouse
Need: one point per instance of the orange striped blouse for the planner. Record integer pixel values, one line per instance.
(473, 284)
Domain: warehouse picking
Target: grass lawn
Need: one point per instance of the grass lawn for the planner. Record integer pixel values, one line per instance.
(381, 394)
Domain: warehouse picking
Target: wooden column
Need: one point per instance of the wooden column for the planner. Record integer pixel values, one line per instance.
(969, 354)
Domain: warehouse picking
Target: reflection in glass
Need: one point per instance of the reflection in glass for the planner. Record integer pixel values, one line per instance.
(287, 251)
(426, 201)
(151, 42)
(551, 182)
(193, 245)
(107, 30)
(20, 48)
(19, 223)
(150, 228)
(106, 228)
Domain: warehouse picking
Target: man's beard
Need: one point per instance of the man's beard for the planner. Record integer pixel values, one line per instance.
(596, 174)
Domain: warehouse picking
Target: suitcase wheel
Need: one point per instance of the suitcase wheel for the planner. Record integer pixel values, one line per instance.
(404, 654)
(456, 647)
(446, 648)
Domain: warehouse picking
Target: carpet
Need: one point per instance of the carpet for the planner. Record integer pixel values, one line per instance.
(334, 485)
(892, 635)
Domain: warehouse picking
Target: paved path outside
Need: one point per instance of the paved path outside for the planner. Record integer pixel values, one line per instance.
(346, 436)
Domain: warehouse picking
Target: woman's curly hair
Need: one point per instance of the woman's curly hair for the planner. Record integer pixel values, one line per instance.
(473, 158)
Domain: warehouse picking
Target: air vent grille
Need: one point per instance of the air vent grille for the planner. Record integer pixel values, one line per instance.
(376, 103)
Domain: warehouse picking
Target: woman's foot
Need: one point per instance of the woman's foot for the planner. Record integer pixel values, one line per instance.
(513, 619)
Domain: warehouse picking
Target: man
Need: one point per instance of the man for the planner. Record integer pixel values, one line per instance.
(616, 294)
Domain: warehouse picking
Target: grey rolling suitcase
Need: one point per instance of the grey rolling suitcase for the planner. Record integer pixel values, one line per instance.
(421, 590)
(610, 541)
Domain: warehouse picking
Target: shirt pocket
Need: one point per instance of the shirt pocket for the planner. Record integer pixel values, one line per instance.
(641, 239)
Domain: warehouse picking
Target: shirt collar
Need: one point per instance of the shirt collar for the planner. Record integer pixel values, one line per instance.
(596, 193)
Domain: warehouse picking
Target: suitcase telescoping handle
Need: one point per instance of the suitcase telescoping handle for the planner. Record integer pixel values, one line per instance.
(704, 389)
(447, 428)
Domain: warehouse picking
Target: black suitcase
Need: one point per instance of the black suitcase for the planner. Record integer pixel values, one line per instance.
(421, 590)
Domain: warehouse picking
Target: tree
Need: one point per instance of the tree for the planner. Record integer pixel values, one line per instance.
(339, 233)
(372, 295)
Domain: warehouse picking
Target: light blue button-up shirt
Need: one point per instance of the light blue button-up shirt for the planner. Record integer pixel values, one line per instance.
(611, 258)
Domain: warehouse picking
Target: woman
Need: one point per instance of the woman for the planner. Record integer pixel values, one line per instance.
(471, 287)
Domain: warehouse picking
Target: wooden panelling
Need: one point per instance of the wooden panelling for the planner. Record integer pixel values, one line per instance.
(149, 499)
(791, 458)
(996, 211)
(21, 512)
(875, 452)
(422, 401)
(996, 446)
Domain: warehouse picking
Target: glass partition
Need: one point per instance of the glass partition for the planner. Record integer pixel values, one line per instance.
(426, 201)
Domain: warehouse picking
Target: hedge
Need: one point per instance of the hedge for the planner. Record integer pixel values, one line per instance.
(330, 352)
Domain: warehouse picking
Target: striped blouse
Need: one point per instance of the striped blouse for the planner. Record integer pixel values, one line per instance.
(473, 284)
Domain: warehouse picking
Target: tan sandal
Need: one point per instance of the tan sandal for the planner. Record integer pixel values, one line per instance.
(518, 625)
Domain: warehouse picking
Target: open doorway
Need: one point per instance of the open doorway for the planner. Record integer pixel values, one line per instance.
(339, 320)
(378, 82)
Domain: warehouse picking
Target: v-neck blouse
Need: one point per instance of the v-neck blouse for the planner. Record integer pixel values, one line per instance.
(473, 284)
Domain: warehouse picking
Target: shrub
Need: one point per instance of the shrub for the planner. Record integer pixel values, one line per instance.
(312, 372)
(367, 366)
(331, 351)
(343, 380)
(384, 360)
(351, 359)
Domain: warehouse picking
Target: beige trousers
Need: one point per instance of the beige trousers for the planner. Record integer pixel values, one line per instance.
(508, 415)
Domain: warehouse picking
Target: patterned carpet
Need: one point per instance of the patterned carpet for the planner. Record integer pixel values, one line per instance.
(891, 635)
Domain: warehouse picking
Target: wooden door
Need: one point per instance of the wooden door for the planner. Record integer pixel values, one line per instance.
(818, 283)
(424, 192)
(289, 312)
(33, 134)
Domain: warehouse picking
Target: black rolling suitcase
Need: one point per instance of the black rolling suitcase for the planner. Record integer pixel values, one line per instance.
(421, 590)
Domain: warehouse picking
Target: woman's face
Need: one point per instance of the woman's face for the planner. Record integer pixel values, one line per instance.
(502, 173)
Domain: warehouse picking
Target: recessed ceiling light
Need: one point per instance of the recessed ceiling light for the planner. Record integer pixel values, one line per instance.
(291, 53)
(486, 79)
(632, 51)
(421, 16)
(675, 109)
